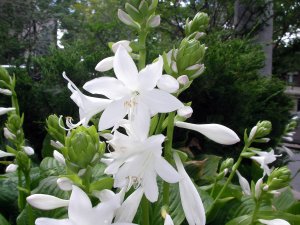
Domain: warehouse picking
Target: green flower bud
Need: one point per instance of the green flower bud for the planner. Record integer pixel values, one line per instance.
(83, 147)
(23, 161)
(263, 129)
(14, 123)
(228, 163)
(4, 76)
(53, 128)
(279, 178)
(198, 24)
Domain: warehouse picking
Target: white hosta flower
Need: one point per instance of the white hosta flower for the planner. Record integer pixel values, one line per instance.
(139, 158)
(244, 184)
(168, 220)
(190, 199)
(168, 83)
(216, 132)
(11, 168)
(185, 112)
(46, 202)
(183, 79)
(59, 157)
(265, 158)
(5, 110)
(80, 209)
(5, 154)
(28, 150)
(5, 92)
(88, 106)
(8, 134)
(132, 92)
(64, 183)
(274, 222)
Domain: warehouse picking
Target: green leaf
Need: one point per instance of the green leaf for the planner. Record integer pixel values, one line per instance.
(285, 200)
(243, 220)
(47, 150)
(269, 215)
(103, 183)
(3, 221)
(51, 167)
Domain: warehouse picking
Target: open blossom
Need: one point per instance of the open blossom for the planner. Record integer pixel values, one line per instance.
(138, 157)
(190, 199)
(80, 209)
(265, 158)
(132, 92)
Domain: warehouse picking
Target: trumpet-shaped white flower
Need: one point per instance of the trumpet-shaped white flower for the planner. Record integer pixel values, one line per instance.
(5, 110)
(190, 199)
(216, 132)
(138, 158)
(132, 92)
(244, 184)
(80, 209)
(274, 222)
(265, 158)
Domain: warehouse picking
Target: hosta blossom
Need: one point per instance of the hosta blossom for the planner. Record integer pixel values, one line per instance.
(265, 158)
(80, 209)
(216, 132)
(190, 199)
(132, 92)
(274, 222)
(244, 184)
(138, 157)
(5, 110)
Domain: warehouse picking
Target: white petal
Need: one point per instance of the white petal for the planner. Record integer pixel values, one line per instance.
(165, 170)
(105, 64)
(160, 101)
(28, 150)
(168, 83)
(105, 195)
(11, 168)
(8, 134)
(80, 206)
(124, 43)
(125, 18)
(113, 113)
(274, 222)
(107, 86)
(185, 112)
(125, 68)
(56, 144)
(149, 185)
(64, 183)
(244, 184)
(149, 76)
(5, 154)
(59, 157)
(216, 132)
(190, 199)
(168, 220)
(154, 21)
(48, 221)
(5, 110)
(5, 92)
(46, 202)
(258, 188)
(129, 207)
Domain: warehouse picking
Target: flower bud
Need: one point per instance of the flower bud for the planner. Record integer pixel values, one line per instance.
(14, 123)
(168, 83)
(185, 112)
(4, 75)
(59, 157)
(83, 146)
(133, 12)
(183, 79)
(56, 144)
(228, 163)
(124, 43)
(279, 178)
(5, 154)
(5, 110)
(11, 168)
(23, 161)
(64, 183)
(125, 18)
(258, 188)
(54, 129)
(8, 135)
(5, 92)
(28, 150)
(263, 128)
(46, 202)
(154, 21)
(198, 24)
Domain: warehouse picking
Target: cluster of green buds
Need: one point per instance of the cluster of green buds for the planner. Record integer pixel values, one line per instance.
(140, 14)
(198, 25)
(55, 128)
(279, 178)
(82, 148)
(259, 131)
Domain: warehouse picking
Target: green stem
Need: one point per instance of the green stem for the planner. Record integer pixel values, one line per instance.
(145, 211)
(142, 52)
(28, 187)
(21, 196)
(14, 101)
(257, 205)
(160, 123)
(168, 155)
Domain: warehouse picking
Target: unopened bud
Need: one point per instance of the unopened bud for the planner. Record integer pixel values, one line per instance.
(279, 178)
(4, 75)
(56, 144)
(64, 183)
(153, 21)
(5, 110)
(263, 128)
(55, 128)
(125, 18)
(168, 83)
(124, 43)
(185, 112)
(105, 64)
(28, 150)
(11, 168)
(183, 79)
(5, 92)
(8, 135)
(228, 163)
(59, 157)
